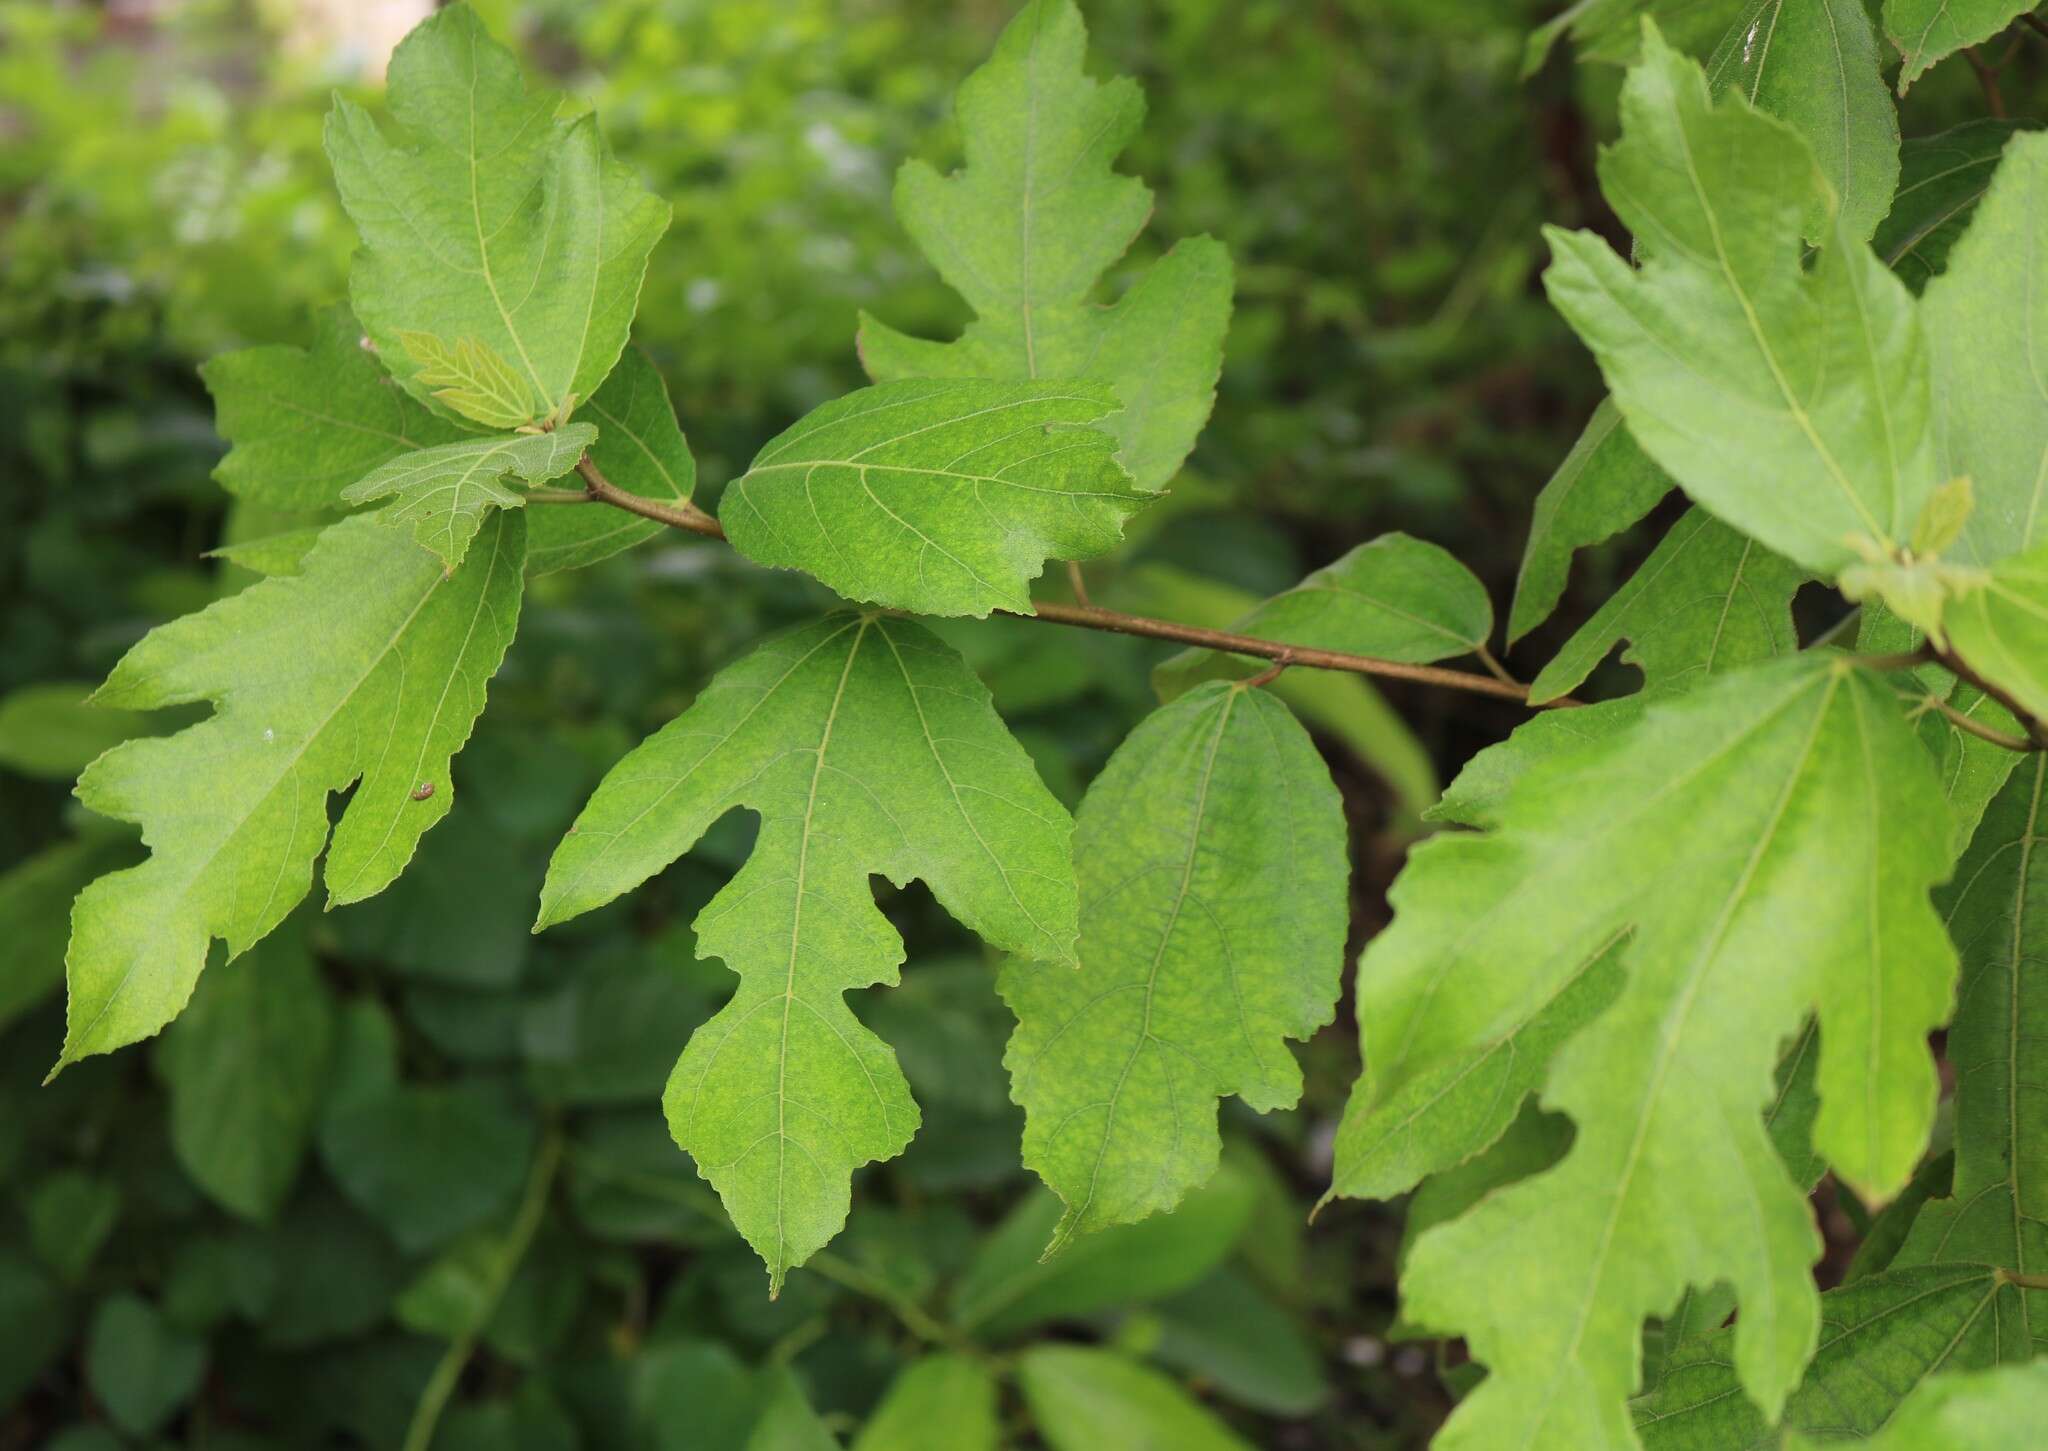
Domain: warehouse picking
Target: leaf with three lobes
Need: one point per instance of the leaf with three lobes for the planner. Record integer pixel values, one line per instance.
(1212, 863)
(1791, 402)
(865, 746)
(937, 496)
(1396, 597)
(1926, 31)
(1706, 601)
(1027, 229)
(443, 494)
(1942, 178)
(1747, 791)
(369, 666)
(1987, 329)
(490, 217)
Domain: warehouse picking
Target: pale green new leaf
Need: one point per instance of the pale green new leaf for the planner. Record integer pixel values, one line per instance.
(441, 495)
(1605, 484)
(472, 379)
(1791, 402)
(1941, 180)
(304, 424)
(2001, 628)
(936, 496)
(1708, 600)
(488, 217)
(866, 747)
(1025, 232)
(1987, 329)
(1926, 31)
(1989, 1411)
(369, 666)
(1212, 863)
(1792, 802)
(1997, 911)
(1814, 65)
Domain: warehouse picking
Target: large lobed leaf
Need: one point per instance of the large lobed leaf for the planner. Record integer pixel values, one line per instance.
(1211, 857)
(866, 746)
(1792, 802)
(491, 220)
(1027, 229)
(942, 497)
(369, 666)
(1792, 402)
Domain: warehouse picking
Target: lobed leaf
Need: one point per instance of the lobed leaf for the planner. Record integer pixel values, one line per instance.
(1211, 856)
(937, 496)
(444, 493)
(865, 746)
(1025, 231)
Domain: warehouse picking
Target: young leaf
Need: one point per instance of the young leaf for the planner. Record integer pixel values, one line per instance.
(1025, 232)
(1749, 791)
(1997, 911)
(1211, 857)
(1605, 484)
(1987, 329)
(369, 666)
(939, 497)
(1083, 1399)
(490, 218)
(444, 493)
(1814, 65)
(1397, 598)
(641, 449)
(304, 424)
(1926, 31)
(1793, 403)
(1941, 180)
(471, 378)
(1706, 601)
(2001, 628)
(1989, 1411)
(866, 746)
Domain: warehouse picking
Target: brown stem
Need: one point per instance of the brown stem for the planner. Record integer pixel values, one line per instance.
(1987, 80)
(2036, 24)
(2025, 1282)
(2037, 732)
(1978, 729)
(683, 516)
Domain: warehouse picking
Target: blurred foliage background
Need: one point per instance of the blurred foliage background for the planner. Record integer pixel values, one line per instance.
(261, 1232)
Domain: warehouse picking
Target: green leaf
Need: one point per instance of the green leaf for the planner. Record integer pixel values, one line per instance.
(304, 424)
(1989, 1411)
(1027, 229)
(444, 493)
(1926, 31)
(246, 1067)
(639, 448)
(1997, 909)
(1814, 65)
(1083, 1399)
(70, 1214)
(35, 913)
(1706, 601)
(490, 217)
(1605, 484)
(139, 1368)
(53, 730)
(1212, 862)
(1987, 328)
(428, 1162)
(471, 378)
(1611, 31)
(1795, 781)
(1792, 403)
(235, 808)
(866, 746)
(1396, 598)
(1474, 797)
(1941, 180)
(940, 497)
(1231, 1335)
(2001, 628)
(29, 1296)
(942, 1399)
(1881, 1337)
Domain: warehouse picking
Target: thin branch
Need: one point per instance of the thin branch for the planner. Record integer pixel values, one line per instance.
(1987, 81)
(1079, 582)
(2036, 730)
(1978, 729)
(684, 516)
(2025, 1282)
(2036, 24)
(1495, 669)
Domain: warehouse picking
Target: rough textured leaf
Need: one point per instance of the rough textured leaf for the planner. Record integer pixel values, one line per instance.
(1084, 1399)
(1025, 232)
(1987, 328)
(640, 448)
(941, 497)
(247, 1068)
(865, 746)
(1988, 1411)
(1926, 31)
(1751, 791)
(1707, 600)
(234, 809)
(442, 494)
(1793, 403)
(488, 217)
(1396, 598)
(1941, 180)
(2001, 629)
(1605, 484)
(942, 1399)
(1212, 862)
